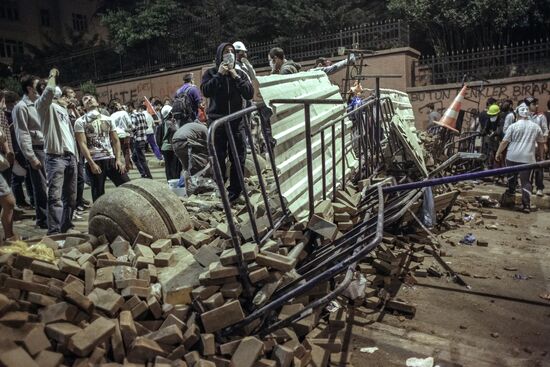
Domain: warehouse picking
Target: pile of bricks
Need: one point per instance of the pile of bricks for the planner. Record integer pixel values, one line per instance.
(161, 302)
(165, 302)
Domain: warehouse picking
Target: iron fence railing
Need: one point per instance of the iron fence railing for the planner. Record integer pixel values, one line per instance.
(190, 46)
(525, 58)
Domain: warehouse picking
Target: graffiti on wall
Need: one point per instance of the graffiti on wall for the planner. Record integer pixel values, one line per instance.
(162, 87)
(476, 97)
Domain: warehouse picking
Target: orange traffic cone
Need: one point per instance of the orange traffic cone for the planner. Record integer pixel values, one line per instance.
(449, 118)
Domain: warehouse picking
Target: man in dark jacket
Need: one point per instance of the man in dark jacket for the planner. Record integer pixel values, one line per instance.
(227, 89)
(279, 64)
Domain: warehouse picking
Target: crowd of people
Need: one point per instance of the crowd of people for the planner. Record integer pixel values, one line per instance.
(53, 144)
(510, 136)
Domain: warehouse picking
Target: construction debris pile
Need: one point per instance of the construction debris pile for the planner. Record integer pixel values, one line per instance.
(167, 301)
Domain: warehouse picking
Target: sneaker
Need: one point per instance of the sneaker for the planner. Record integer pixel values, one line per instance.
(76, 216)
(80, 208)
(526, 210)
(539, 193)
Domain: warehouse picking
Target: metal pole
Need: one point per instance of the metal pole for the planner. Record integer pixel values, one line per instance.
(323, 165)
(309, 157)
(466, 176)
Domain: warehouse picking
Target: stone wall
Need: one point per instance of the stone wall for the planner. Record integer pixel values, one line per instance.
(515, 88)
(394, 61)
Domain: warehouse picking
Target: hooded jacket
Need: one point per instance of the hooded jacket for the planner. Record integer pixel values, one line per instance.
(290, 67)
(227, 95)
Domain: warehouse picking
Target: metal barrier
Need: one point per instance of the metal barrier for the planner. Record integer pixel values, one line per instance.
(342, 255)
(225, 122)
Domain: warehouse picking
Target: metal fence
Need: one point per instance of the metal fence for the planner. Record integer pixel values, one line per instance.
(197, 45)
(525, 58)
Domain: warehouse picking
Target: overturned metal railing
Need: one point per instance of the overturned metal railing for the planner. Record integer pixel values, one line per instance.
(225, 122)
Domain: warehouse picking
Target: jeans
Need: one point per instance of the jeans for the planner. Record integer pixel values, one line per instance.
(108, 169)
(152, 142)
(40, 187)
(62, 172)
(138, 156)
(525, 177)
(172, 165)
(80, 180)
(223, 149)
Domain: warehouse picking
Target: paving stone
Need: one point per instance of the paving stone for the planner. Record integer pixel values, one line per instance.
(276, 261)
(144, 350)
(83, 342)
(48, 358)
(248, 351)
(223, 316)
(106, 300)
(61, 311)
(161, 245)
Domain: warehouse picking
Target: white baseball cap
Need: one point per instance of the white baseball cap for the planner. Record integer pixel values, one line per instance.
(165, 111)
(239, 46)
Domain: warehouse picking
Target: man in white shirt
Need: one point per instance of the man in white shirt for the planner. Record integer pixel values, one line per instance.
(150, 132)
(539, 119)
(123, 127)
(522, 140)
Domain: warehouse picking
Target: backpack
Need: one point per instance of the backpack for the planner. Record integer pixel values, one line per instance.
(182, 109)
(165, 131)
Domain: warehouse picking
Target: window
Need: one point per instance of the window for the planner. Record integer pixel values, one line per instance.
(45, 17)
(9, 10)
(79, 22)
(9, 48)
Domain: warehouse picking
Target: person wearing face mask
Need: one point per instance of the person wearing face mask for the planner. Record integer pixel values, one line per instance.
(522, 139)
(28, 131)
(61, 155)
(227, 89)
(539, 119)
(98, 141)
(242, 60)
(490, 138)
(279, 64)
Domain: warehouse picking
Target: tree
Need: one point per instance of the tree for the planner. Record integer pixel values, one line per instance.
(450, 25)
(11, 83)
(145, 21)
(88, 88)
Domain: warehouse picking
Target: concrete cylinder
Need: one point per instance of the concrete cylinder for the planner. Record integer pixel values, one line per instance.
(138, 205)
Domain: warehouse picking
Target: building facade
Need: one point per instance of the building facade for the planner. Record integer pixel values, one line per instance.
(25, 24)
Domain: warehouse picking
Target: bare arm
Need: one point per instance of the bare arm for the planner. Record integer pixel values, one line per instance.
(501, 149)
(115, 143)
